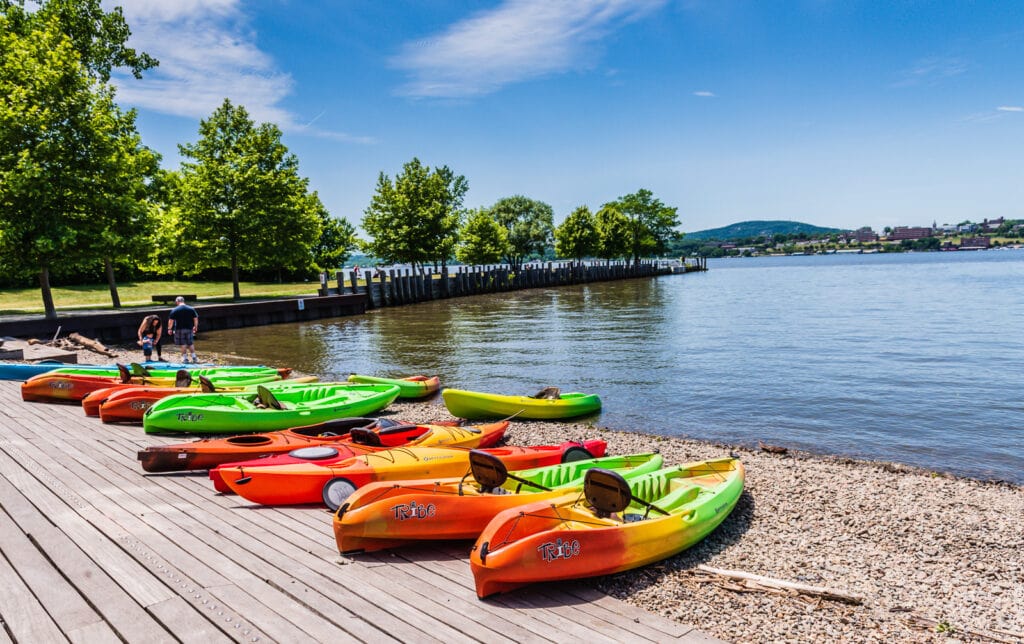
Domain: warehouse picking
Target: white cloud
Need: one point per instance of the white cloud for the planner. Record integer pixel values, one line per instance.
(1010, 108)
(207, 53)
(929, 71)
(704, 94)
(517, 41)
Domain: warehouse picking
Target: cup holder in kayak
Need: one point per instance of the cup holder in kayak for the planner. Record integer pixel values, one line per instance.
(313, 453)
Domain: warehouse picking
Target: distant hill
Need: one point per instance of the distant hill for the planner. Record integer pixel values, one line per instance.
(757, 228)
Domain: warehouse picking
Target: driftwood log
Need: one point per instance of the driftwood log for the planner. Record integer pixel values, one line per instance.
(90, 344)
(772, 449)
(753, 581)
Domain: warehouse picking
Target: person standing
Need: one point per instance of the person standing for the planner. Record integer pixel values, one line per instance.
(183, 322)
(151, 333)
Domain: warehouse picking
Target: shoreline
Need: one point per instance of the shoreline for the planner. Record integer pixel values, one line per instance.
(935, 555)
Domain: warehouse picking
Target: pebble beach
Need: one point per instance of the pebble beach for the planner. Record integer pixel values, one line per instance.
(923, 556)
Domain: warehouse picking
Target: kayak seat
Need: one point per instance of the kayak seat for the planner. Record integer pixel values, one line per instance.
(548, 393)
(268, 399)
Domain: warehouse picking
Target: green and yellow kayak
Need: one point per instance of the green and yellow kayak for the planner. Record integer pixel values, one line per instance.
(551, 404)
(617, 524)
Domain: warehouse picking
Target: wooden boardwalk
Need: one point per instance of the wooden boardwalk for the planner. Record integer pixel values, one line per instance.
(93, 550)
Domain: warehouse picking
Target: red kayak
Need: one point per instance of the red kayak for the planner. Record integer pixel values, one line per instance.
(364, 441)
(311, 482)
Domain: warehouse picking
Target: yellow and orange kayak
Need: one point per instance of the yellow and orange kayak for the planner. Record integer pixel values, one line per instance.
(363, 441)
(300, 483)
(618, 525)
(386, 514)
(411, 387)
(208, 453)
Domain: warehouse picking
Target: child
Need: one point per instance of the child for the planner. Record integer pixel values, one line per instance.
(150, 332)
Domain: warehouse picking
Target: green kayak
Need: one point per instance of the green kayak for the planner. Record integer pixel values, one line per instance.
(265, 410)
(220, 376)
(548, 404)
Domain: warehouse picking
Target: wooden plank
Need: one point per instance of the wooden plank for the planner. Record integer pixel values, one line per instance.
(288, 572)
(138, 568)
(59, 599)
(178, 615)
(22, 614)
(510, 624)
(178, 559)
(241, 572)
(187, 532)
(118, 608)
(590, 597)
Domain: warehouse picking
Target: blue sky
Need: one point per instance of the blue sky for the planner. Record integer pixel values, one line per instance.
(833, 113)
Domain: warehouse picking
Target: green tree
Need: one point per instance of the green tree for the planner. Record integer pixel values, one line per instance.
(120, 196)
(337, 240)
(529, 224)
(612, 232)
(98, 37)
(415, 219)
(651, 223)
(577, 237)
(67, 154)
(72, 168)
(243, 203)
(482, 240)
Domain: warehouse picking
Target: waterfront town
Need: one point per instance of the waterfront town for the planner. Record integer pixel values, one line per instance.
(965, 236)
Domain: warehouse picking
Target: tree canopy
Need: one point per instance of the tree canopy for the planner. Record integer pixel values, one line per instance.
(482, 240)
(337, 240)
(415, 219)
(242, 202)
(651, 223)
(577, 237)
(529, 224)
(612, 233)
(72, 167)
(98, 37)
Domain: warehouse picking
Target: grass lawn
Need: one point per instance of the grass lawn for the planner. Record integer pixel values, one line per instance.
(138, 294)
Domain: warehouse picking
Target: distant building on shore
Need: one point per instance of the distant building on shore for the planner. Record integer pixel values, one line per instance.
(865, 234)
(910, 232)
(973, 243)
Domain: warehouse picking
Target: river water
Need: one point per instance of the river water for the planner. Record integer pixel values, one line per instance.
(915, 358)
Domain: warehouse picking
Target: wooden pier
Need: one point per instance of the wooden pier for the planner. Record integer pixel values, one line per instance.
(94, 550)
(396, 287)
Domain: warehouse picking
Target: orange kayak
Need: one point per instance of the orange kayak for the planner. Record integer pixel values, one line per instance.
(361, 441)
(387, 514)
(208, 453)
(300, 483)
(615, 525)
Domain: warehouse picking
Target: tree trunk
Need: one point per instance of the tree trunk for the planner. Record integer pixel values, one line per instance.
(115, 299)
(234, 277)
(44, 286)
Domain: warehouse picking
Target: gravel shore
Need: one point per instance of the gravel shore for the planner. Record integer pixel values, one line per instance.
(935, 557)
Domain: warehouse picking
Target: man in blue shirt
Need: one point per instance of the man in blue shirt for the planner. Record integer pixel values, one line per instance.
(182, 323)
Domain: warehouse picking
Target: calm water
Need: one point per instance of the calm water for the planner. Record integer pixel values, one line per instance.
(917, 358)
